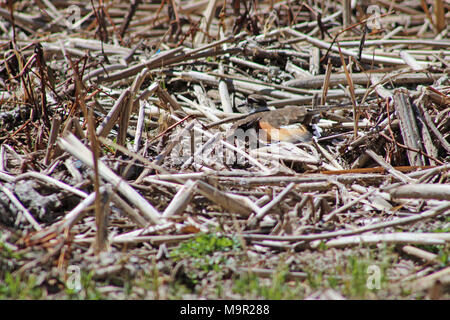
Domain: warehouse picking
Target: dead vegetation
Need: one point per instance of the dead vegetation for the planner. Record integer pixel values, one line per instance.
(115, 155)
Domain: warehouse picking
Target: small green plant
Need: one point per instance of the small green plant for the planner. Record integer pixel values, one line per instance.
(203, 245)
(333, 281)
(322, 246)
(8, 259)
(443, 255)
(89, 289)
(314, 279)
(356, 284)
(365, 275)
(19, 287)
(203, 254)
(7, 253)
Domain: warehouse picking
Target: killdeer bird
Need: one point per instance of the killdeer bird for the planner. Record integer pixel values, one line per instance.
(290, 124)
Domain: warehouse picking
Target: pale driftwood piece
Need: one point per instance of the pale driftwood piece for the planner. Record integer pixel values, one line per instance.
(51, 181)
(380, 42)
(332, 95)
(346, 179)
(154, 111)
(97, 45)
(179, 176)
(148, 92)
(422, 191)
(404, 237)
(144, 231)
(154, 240)
(408, 126)
(431, 213)
(139, 126)
(206, 22)
(266, 209)
(231, 202)
(410, 61)
(399, 175)
(72, 145)
(346, 13)
(269, 154)
(314, 61)
(286, 151)
(13, 153)
(224, 94)
(377, 85)
(23, 211)
(363, 79)
(56, 49)
(262, 201)
(422, 254)
(24, 21)
(6, 177)
(176, 186)
(389, 35)
(138, 81)
(181, 199)
(3, 159)
(443, 276)
(297, 71)
(250, 64)
(110, 120)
